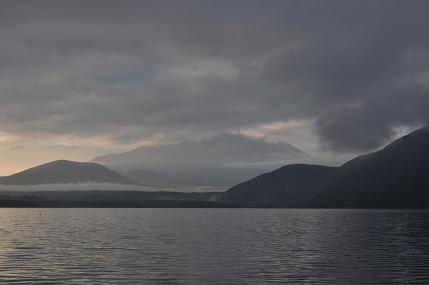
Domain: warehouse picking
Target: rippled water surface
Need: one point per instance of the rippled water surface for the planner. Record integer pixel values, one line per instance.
(213, 246)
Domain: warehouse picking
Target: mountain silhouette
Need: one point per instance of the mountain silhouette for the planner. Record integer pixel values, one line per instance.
(64, 171)
(396, 176)
(393, 177)
(288, 186)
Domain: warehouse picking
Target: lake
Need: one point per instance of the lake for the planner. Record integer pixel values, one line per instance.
(213, 246)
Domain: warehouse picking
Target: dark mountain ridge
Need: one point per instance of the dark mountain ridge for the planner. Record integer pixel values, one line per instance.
(396, 176)
(288, 186)
(64, 171)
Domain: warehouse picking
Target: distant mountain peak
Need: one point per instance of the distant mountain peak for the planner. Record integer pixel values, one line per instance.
(218, 160)
(65, 171)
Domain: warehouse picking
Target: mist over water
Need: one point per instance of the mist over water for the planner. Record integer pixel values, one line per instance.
(107, 187)
(213, 246)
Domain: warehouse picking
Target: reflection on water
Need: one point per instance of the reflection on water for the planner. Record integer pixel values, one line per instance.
(213, 246)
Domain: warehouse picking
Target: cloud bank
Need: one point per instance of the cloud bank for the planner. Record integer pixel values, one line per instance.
(123, 72)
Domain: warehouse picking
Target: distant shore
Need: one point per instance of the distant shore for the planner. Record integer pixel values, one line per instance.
(137, 199)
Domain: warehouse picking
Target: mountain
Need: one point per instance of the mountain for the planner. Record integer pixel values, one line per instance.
(288, 186)
(393, 177)
(63, 171)
(396, 176)
(219, 160)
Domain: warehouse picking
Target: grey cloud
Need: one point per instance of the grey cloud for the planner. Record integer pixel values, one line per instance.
(132, 69)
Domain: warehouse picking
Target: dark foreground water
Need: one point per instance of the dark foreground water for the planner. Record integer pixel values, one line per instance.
(213, 246)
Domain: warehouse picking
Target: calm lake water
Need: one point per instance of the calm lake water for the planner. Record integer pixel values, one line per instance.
(213, 246)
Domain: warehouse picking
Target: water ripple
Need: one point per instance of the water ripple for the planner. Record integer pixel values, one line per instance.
(213, 246)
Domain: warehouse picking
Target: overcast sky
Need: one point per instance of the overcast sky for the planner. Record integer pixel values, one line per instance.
(85, 78)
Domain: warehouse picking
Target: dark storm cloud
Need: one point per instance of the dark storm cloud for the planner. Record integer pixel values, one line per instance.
(132, 69)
